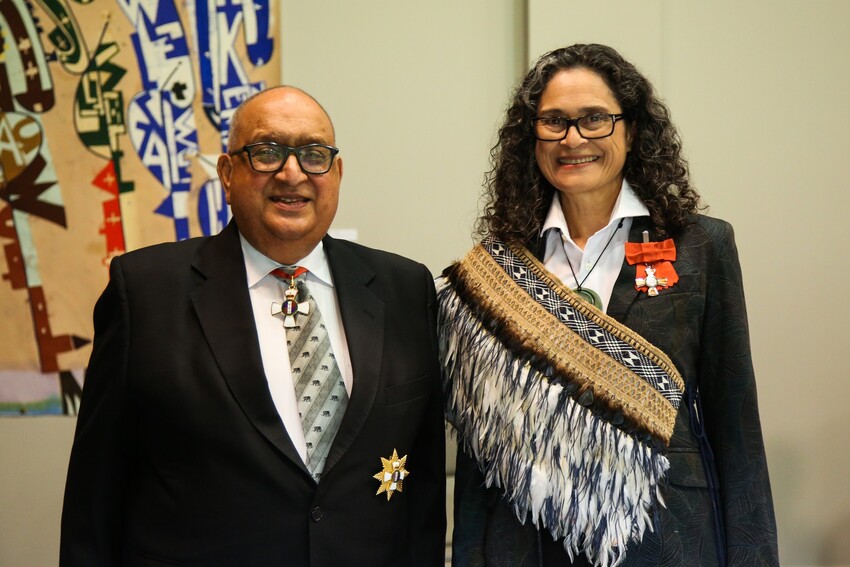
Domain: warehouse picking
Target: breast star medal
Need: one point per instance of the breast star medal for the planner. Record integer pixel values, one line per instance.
(393, 475)
(290, 306)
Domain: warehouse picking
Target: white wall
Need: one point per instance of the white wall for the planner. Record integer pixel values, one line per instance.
(32, 479)
(759, 90)
(415, 91)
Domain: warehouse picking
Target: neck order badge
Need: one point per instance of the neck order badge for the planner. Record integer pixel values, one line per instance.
(290, 307)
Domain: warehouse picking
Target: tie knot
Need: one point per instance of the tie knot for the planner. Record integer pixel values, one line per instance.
(287, 273)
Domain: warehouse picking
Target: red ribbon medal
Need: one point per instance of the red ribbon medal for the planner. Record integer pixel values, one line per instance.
(290, 306)
(654, 265)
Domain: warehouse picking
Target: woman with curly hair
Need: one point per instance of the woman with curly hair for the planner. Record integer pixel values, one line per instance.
(595, 343)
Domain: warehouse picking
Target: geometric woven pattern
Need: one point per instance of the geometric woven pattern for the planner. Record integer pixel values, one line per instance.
(589, 330)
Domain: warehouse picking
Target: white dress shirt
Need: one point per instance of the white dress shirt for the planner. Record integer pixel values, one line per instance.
(561, 252)
(265, 289)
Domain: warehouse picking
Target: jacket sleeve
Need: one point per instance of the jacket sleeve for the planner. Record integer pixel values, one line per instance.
(728, 392)
(427, 526)
(97, 474)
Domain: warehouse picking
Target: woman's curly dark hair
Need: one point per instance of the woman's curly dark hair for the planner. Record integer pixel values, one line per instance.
(517, 196)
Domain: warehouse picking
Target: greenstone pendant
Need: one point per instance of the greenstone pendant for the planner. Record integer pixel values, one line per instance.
(590, 296)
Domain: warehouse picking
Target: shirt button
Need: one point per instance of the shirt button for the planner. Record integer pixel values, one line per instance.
(588, 266)
(316, 514)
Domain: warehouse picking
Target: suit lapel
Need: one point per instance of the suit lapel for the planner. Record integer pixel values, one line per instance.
(223, 307)
(624, 292)
(363, 320)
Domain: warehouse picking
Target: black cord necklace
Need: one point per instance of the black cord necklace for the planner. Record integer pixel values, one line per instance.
(588, 294)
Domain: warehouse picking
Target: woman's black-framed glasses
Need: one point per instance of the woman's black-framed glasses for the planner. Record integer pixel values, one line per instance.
(269, 157)
(590, 127)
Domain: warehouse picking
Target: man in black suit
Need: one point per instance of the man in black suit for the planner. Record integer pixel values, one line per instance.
(189, 448)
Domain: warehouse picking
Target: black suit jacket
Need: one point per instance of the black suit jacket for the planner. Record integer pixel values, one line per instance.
(701, 324)
(180, 457)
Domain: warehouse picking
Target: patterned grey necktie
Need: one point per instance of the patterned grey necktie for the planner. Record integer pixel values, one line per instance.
(319, 387)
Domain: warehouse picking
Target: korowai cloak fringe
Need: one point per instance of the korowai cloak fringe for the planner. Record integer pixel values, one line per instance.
(564, 409)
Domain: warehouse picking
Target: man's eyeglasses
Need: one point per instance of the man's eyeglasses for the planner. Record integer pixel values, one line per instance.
(590, 127)
(269, 157)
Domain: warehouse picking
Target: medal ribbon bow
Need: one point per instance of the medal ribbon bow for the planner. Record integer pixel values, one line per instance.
(654, 265)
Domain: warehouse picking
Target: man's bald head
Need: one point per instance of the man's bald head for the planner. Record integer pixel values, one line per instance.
(234, 133)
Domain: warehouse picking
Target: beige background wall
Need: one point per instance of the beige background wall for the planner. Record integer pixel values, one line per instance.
(758, 89)
(416, 91)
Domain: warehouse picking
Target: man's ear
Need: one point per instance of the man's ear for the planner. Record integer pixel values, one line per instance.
(225, 170)
(339, 166)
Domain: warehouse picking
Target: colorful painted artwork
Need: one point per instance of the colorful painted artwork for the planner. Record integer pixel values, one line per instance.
(112, 116)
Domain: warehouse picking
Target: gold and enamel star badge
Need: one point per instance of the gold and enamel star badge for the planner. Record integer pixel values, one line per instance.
(393, 475)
